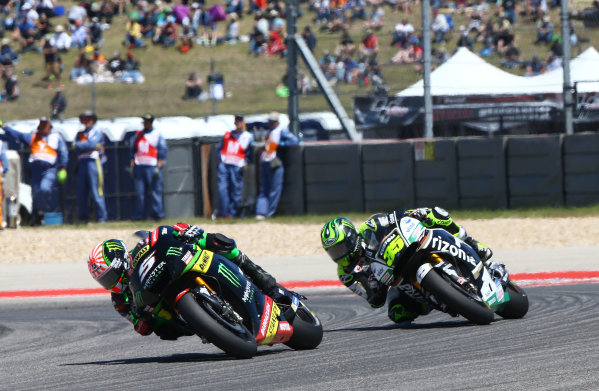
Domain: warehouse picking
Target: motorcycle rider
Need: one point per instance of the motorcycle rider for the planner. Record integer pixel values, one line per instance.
(111, 265)
(350, 247)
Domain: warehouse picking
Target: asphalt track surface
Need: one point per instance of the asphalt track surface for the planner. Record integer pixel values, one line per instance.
(76, 343)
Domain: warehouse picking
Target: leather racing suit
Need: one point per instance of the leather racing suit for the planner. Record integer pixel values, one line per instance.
(404, 303)
(158, 243)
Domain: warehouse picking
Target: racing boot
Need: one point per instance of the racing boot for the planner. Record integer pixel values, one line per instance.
(483, 252)
(496, 270)
(264, 281)
(403, 309)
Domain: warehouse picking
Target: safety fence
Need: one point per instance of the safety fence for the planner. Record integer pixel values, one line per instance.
(341, 176)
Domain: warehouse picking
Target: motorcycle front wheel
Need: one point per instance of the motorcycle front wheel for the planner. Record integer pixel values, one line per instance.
(457, 299)
(307, 330)
(517, 307)
(234, 339)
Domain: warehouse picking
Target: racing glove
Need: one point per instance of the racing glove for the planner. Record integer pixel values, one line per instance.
(144, 324)
(421, 215)
(191, 234)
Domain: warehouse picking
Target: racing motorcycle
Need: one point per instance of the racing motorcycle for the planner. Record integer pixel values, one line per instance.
(209, 296)
(445, 273)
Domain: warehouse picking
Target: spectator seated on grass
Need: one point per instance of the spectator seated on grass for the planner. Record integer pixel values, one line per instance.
(25, 35)
(369, 46)
(275, 45)
(358, 10)
(8, 57)
(193, 87)
(232, 35)
(412, 52)
(131, 72)
(402, 33)
(95, 35)
(511, 57)
(464, 40)
(11, 90)
(133, 35)
(375, 18)
(534, 67)
(79, 37)
(81, 67)
(440, 26)
(61, 40)
(544, 30)
(116, 64)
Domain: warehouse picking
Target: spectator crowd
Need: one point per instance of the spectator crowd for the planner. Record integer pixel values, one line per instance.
(489, 26)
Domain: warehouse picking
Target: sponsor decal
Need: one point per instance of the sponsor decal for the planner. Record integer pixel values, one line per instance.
(371, 224)
(203, 264)
(265, 318)
(164, 231)
(154, 275)
(140, 254)
(111, 246)
(384, 221)
(392, 218)
(330, 241)
(187, 257)
(176, 251)
(284, 326)
(456, 251)
(229, 275)
(248, 292)
(358, 289)
(273, 324)
(382, 273)
(154, 237)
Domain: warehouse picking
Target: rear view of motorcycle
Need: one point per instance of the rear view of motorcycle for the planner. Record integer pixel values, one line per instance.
(447, 274)
(208, 295)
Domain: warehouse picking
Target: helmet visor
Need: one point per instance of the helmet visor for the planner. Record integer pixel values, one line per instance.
(109, 279)
(340, 250)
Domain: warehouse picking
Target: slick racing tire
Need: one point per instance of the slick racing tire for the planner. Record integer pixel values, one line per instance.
(517, 307)
(457, 299)
(210, 325)
(307, 330)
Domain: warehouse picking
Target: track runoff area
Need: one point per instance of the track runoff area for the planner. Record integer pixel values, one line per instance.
(523, 279)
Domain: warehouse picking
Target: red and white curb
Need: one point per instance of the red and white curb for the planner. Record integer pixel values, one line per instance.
(523, 279)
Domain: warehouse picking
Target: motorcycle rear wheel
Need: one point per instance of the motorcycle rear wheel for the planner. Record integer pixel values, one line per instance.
(517, 307)
(205, 324)
(457, 299)
(307, 330)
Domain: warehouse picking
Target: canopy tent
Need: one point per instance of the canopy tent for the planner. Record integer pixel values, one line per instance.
(583, 69)
(467, 74)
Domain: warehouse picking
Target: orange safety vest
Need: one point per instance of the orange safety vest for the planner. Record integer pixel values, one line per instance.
(41, 149)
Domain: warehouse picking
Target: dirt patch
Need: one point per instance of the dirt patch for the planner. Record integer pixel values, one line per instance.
(266, 239)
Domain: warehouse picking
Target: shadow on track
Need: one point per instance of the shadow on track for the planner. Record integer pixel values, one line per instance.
(409, 326)
(174, 358)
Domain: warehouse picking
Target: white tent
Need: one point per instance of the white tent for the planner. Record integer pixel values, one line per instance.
(584, 69)
(467, 74)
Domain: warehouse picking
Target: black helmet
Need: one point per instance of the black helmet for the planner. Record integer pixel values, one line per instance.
(341, 240)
